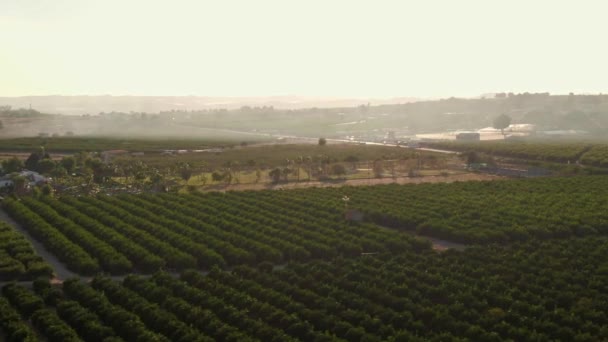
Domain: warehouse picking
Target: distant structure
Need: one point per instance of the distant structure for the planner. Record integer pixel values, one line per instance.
(33, 178)
(468, 136)
(521, 128)
(413, 143)
(390, 135)
(514, 131)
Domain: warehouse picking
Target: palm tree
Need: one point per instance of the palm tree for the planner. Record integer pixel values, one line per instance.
(299, 162)
(288, 169)
(308, 166)
(285, 172)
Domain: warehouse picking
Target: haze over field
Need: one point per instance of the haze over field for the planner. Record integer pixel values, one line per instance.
(79, 105)
(311, 170)
(338, 69)
(426, 49)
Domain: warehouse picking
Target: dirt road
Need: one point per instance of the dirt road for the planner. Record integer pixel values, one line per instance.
(355, 182)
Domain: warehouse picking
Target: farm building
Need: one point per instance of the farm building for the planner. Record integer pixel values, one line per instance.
(34, 178)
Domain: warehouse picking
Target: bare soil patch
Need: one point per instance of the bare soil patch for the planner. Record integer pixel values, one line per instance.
(355, 182)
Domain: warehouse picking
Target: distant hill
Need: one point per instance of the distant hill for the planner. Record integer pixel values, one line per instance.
(78, 105)
(557, 115)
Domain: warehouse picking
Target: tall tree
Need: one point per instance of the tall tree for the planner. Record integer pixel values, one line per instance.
(11, 165)
(353, 160)
(32, 161)
(69, 163)
(338, 170)
(45, 166)
(19, 183)
(275, 175)
(378, 168)
(501, 122)
(185, 171)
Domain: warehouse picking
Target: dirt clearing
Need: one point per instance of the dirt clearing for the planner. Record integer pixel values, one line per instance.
(355, 182)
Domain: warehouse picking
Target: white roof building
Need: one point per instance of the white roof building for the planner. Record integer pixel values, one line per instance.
(33, 177)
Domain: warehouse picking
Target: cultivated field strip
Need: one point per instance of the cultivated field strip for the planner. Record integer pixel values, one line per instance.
(544, 151)
(524, 291)
(108, 257)
(145, 233)
(140, 257)
(12, 324)
(585, 153)
(596, 156)
(471, 212)
(66, 250)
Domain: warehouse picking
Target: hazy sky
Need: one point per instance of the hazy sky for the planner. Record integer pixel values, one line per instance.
(316, 48)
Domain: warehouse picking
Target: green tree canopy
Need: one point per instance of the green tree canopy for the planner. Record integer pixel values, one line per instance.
(11, 165)
(501, 122)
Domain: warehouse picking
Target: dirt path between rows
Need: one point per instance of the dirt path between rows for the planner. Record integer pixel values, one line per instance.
(60, 270)
(355, 182)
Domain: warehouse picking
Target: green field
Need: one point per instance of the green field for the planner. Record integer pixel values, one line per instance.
(556, 151)
(18, 261)
(119, 234)
(98, 144)
(532, 291)
(288, 265)
(280, 155)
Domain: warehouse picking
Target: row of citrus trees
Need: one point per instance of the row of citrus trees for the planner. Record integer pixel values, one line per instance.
(474, 212)
(536, 150)
(535, 290)
(19, 303)
(145, 233)
(589, 153)
(18, 261)
(596, 156)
